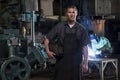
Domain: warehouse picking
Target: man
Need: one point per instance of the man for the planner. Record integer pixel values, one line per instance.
(100, 46)
(74, 39)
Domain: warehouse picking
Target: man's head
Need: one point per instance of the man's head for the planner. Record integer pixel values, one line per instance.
(71, 13)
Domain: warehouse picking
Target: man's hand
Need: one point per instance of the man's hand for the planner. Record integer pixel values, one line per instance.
(85, 67)
(51, 54)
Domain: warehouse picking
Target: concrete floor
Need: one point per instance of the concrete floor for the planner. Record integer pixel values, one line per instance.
(48, 76)
(43, 78)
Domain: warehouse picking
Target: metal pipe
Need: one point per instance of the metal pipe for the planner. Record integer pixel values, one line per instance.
(32, 28)
(60, 15)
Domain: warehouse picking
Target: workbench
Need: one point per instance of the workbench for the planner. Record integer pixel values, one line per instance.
(101, 64)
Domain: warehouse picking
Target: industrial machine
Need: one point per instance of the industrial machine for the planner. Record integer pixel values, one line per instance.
(20, 53)
(15, 63)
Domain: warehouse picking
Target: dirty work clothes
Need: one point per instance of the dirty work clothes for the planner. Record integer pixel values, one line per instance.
(68, 68)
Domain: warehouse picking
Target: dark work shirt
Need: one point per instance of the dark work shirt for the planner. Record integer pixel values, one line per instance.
(62, 28)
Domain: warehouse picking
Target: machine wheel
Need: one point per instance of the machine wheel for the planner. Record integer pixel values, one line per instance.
(15, 68)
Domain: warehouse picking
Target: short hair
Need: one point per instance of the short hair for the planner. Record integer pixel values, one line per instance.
(71, 6)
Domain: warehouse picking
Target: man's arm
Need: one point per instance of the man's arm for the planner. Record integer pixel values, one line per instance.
(85, 59)
(49, 53)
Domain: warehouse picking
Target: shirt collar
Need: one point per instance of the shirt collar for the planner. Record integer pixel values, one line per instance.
(66, 24)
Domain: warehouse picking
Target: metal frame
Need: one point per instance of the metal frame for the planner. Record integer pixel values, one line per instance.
(101, 65)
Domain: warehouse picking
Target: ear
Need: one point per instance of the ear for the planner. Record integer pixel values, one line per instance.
(76, 12)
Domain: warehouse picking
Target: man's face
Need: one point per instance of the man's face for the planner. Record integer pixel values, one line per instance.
(71, 14)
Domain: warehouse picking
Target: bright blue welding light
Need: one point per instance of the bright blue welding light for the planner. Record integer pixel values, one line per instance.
(93, 47)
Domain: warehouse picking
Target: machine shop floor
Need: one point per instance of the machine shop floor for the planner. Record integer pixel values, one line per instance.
(48, 76)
